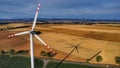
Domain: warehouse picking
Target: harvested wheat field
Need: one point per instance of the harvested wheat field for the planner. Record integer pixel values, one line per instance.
(93, 38)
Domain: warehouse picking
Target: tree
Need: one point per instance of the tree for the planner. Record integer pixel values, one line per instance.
(12, 51)
(2, 52)
(26, 51)
(99, 58)
(117, 60)
(22, 52)
(48, 54)
(43, 53)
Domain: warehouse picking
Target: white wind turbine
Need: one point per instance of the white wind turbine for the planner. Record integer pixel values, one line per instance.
(32, 33)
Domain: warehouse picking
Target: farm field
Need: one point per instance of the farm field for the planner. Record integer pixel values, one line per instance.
(18, 62)
(94, 38)
(24, 62)
(67, 65)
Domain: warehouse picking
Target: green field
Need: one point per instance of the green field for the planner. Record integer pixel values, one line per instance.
(66, 65)
(24, 62)
(18, 62)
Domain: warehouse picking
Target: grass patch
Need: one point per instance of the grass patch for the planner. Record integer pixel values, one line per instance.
(24, 62)
(18, 62)
(66, 65)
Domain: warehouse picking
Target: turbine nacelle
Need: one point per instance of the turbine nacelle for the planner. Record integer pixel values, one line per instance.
(32, 32)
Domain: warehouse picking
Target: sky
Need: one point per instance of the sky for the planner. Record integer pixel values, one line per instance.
(75, 9)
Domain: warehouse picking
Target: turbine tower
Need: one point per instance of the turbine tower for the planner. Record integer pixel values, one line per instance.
(32, 33)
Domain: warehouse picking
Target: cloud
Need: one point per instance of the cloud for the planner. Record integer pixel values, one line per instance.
(61, 8)
(17, 9)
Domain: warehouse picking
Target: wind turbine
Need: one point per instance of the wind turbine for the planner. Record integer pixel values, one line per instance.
(32, 33)
(74, 48)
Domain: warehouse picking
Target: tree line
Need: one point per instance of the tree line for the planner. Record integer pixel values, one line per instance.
(13, 52)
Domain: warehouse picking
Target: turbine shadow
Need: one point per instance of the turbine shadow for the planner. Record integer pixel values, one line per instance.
(74, 48)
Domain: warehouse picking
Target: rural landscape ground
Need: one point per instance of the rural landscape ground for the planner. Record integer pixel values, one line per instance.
(95, 38)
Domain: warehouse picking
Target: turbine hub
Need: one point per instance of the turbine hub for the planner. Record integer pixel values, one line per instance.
(32, 32)
(35, 32)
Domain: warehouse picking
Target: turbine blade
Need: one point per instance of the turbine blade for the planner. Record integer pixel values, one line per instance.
(32, 51)
(22, 33)
(35, 18)
(40, 39)
(42, 42)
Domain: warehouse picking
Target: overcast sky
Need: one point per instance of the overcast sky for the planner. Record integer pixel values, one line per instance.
(80, 9)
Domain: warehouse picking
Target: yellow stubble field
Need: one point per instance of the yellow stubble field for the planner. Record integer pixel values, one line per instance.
(94, 38)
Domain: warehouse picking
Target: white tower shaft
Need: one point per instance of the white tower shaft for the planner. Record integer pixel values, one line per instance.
(32, 50)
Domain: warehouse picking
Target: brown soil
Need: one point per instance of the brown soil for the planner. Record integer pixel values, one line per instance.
(22, 43)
